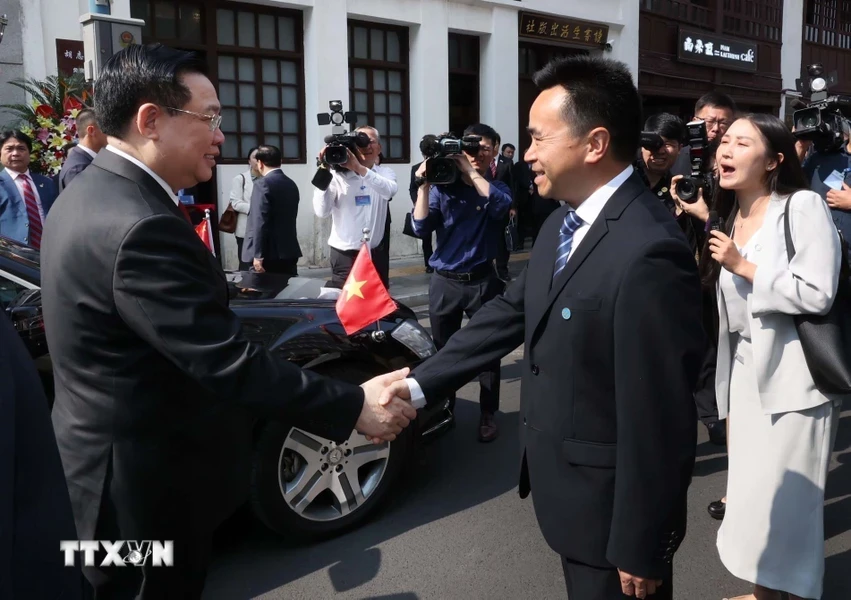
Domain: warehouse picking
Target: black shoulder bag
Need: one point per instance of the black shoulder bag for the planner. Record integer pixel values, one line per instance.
(826, 339)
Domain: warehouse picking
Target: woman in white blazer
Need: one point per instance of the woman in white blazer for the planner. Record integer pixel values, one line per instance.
(240, 198)
(782, 427)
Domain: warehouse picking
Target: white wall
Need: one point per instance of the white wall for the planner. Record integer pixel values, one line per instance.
(326, 75)
(793, 43)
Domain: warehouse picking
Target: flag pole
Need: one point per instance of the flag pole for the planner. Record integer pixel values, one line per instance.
(365, 240)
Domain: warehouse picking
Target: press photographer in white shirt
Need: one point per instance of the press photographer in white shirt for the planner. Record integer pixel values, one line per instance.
(357, 199)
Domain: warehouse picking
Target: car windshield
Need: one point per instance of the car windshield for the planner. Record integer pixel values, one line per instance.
(272, 286)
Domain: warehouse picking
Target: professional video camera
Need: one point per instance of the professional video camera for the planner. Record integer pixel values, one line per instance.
(441, 168)
(700, 178)
(823, 119)
(339, 142)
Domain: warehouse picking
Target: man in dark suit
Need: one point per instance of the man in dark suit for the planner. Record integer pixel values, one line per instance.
(92, 141)
(271, 242)
(500, 170)
(25, 198)
(156, 384)
(609, 312)
(35, 512)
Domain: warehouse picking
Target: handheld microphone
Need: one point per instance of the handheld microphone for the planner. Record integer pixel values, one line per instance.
(715, 222)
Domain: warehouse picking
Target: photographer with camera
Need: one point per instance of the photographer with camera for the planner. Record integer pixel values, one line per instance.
(456, 200)
(356, 198)
(718, 111)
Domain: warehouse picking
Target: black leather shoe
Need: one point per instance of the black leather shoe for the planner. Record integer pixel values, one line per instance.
(717, 509)
(429, 269)
(717, 433)
(488, 431)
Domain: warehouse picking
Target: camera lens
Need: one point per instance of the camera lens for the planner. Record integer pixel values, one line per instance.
(336, 155)
(687, 189)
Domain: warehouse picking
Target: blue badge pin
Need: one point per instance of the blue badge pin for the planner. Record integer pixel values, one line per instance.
(565, 314)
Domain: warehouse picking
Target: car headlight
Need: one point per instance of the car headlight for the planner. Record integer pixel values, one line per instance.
(416, 339)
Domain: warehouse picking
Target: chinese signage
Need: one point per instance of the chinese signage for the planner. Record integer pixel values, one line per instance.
(69, 57)
(561, 29)
(712, 50)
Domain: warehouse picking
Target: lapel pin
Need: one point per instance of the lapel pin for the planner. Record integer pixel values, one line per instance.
(565, 314)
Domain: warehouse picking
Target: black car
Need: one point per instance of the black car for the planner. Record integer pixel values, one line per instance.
(300, 483)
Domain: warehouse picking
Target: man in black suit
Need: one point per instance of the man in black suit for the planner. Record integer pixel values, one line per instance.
(35, 512)
(92, 141)
(500, 170)
(271, 242)
(156, 384)
(609, 312)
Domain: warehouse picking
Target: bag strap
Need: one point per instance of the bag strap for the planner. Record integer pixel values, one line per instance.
(787, 230)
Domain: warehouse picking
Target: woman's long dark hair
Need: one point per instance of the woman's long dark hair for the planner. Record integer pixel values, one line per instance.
(786, 179)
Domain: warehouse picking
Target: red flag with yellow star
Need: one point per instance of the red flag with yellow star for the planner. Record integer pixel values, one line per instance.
(364, 299)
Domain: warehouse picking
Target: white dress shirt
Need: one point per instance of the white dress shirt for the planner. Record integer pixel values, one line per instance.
(147, 170)
(87, 150)
(19, 183)
(348, 218)
(588, 211)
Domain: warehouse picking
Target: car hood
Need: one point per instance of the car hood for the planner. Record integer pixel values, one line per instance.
(249, 287)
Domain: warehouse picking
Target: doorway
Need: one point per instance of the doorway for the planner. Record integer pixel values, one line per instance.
(532, 57)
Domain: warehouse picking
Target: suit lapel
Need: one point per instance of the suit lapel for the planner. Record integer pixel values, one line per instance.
(614, 208)
(9, 185)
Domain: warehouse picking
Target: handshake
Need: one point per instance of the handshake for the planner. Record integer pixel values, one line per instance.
(386, 407)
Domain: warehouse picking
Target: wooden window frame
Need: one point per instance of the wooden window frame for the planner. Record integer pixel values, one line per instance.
(372, 65)
(835, 33)
(211, 49)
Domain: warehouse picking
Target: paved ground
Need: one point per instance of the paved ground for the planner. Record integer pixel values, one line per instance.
(457, 529)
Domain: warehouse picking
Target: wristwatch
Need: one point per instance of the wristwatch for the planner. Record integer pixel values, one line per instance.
(419, 181)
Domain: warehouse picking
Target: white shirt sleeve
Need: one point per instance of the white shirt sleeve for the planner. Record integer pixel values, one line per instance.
(324, 202)
(417, 397)
(383, 183)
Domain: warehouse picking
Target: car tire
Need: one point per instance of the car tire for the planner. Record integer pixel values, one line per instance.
(267, 499)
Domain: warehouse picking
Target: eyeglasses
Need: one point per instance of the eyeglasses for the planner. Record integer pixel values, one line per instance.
(711, 123)
(215, 120)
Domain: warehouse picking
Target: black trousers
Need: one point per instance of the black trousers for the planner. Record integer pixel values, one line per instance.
(342, 261)
(448, 302)
(585, 582)
(243, 266)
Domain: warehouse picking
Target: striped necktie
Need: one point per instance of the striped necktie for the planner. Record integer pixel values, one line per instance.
(565, 241)
(493, 170)
(32, 212)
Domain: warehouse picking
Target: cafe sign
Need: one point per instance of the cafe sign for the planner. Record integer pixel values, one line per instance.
(560, 29)
(702, 48)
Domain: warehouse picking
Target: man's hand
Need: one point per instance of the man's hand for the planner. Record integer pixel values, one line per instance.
(353, 163)
(397, 389)
(384, 421)
(512, 212)
(258, 265)
(840, 199)
(638, 586)
(464, 164)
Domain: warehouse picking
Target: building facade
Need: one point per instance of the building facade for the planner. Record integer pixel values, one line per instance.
(407, 67)
(412, 67)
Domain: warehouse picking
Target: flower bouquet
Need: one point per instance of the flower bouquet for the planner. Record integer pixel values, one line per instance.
(50, 118)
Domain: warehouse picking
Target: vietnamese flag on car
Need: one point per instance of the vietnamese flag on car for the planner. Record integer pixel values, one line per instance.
(205, 232)
(364, 299)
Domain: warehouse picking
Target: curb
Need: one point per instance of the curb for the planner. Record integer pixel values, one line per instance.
(413, 300)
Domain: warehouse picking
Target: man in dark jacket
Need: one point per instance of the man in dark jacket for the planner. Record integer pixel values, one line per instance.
(271, 241)
(35, 510)
(92, 141)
